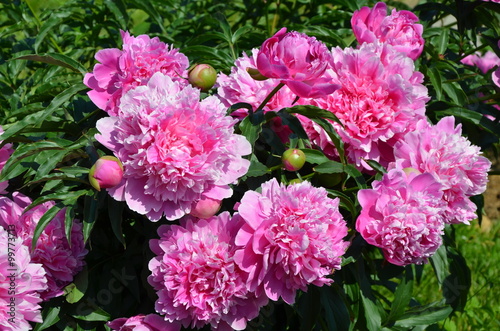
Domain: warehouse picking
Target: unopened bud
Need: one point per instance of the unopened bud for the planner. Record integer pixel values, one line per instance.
(205, 208)
(293, 159)
(202, 76)
(255, 74)
(107, 172)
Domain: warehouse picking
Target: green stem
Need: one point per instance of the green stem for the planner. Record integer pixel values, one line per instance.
(269, 96)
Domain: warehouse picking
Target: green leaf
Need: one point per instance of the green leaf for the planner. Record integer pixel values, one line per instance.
(115, 213)
(118, 9)
(251, 127)
(75, 291)
(435, 77)
(44, 221)
(98, 314)
(336, 312)
(471, 116)
(314, 156)
(329, 167)
(356, 174)
(424, 316)
(256, 168)
(402, 296)
(50, 316)
(60, 60)
(90, 212)
(47, 27)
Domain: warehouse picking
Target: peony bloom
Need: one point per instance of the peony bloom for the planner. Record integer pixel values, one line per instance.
(484, 62)
(398, 29)
(60, 260)
(21, 281)
(455, 163)
(496, 73)
(122, 70)
(5, 153)
(149, 322)
(403, 215)
(292, 237)
(239, 86)
(196, 277)
(297, 60)
(107, 172)
(380, 99)
(175, 149)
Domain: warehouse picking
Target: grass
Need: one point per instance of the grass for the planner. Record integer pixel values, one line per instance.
(480, 247)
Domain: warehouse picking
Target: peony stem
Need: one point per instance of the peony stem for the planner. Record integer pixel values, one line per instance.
(269, 96)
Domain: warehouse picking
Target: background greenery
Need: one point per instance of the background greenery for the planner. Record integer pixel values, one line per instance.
(47, 46)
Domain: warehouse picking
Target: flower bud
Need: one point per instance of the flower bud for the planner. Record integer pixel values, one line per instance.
(255, 74)
(205, 208)
(202, 76)
(293, 159)
(107, 172)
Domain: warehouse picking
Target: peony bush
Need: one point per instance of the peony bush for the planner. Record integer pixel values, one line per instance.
(280, 165)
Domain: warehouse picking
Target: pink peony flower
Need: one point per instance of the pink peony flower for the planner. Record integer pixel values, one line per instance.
(299, 61)
(122, 70)
(149, 322)
(239, 86)
(380, 99)
(21, 281)
(292, 237)
(484, 62)
(403, 215)
(455, 163)
(496, 73)
(175, 149)
(5, 153)
(398, 29)
(60, 260)
(196, 277)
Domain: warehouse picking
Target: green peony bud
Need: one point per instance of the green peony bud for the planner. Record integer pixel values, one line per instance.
(293, 159)
(202, 76)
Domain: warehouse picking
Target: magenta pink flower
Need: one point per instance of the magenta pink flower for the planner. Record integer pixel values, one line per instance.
(292, 237)
(149, 322)
(239, 86)
(455, 163)
(122, 70)
(5, 153)
(60, 260)
(484, 62)
(196, 277)
(21, 281)
(496, 73)
(380, 99)
(403, 215)
(398, 29)
(175, 149)
(297, 60)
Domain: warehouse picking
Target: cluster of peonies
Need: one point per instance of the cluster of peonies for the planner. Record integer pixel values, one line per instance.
(43, 270)
(429, 185)
(177, 158)
(222, 270)
(5, 152)
(21, 282)
(60, 259)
